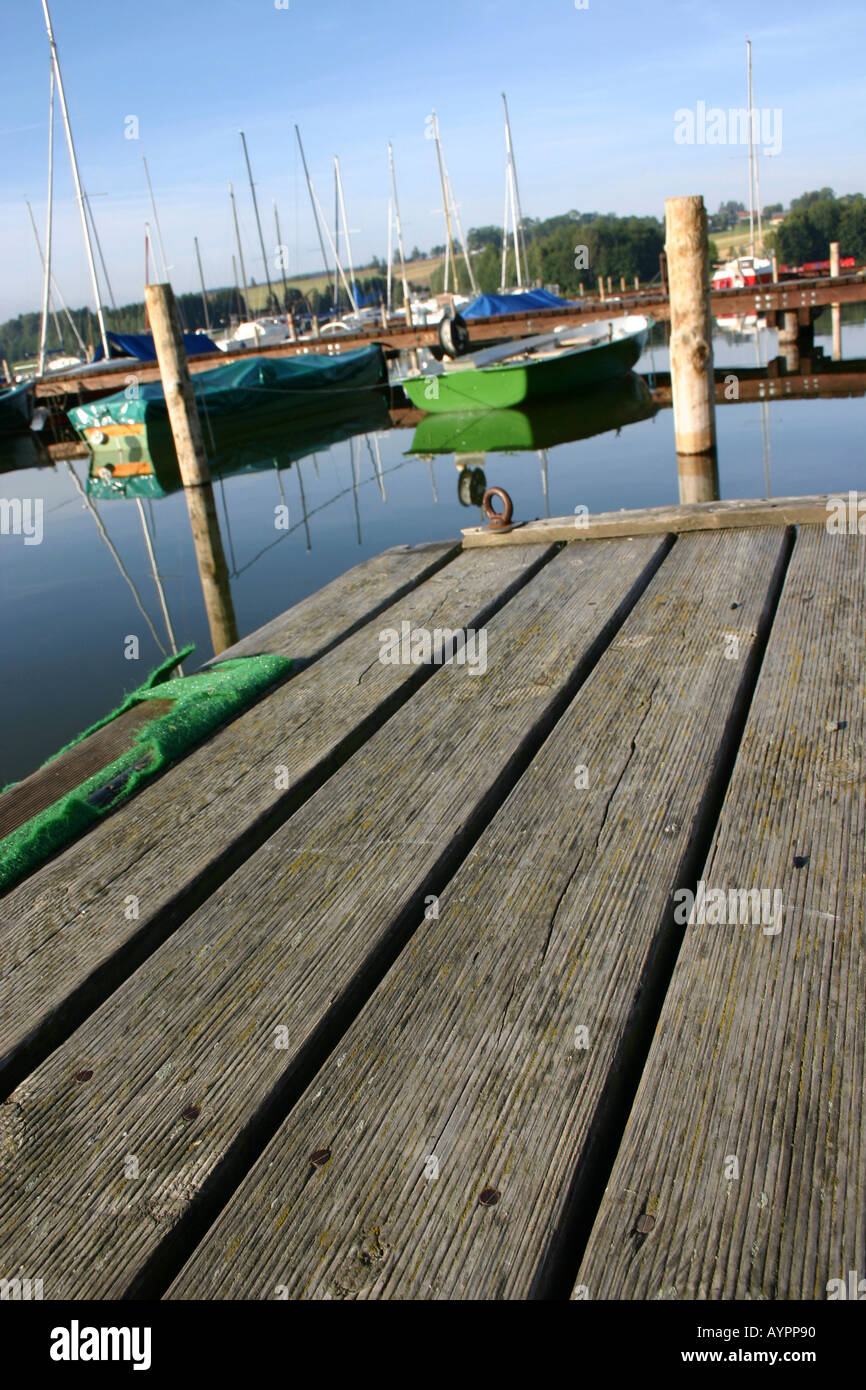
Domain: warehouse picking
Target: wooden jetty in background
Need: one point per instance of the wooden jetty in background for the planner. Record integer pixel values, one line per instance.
(405, 1008)
(792, 300)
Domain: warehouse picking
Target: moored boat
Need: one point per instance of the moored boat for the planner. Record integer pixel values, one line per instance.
(743, 272)
(550, 364)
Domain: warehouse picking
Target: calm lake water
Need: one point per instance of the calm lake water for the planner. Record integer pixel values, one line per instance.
(69, 603)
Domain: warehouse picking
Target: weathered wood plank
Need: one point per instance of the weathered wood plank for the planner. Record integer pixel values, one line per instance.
(466, 1056)
(306, 631)
(747, 1141)
(294, 941)
(70, 932)
(62, 774)
(653, 521)
(318, 622)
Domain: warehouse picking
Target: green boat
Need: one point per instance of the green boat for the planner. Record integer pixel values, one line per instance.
(540, 425)
(233, 401)
(551, 364)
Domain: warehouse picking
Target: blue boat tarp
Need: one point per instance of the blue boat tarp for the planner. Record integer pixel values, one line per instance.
(140, 345)
(489, 306)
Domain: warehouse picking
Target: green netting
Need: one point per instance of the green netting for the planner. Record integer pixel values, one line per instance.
(202, 703)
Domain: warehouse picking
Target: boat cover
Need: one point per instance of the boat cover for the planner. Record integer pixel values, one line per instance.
(488, 306)
(258, 387)
(140, 345)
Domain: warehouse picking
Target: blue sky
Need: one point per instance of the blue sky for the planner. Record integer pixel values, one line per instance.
(592, 94)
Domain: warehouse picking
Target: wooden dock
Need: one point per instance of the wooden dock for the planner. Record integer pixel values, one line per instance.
(387, 990)
(798, 297)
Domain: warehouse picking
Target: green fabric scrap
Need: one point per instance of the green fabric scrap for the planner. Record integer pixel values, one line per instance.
(203, 702)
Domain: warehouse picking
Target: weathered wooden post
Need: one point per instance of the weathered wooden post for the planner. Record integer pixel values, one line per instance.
(192, 459)
(637, 282)
(775, 261)
(788, 335)
(610, 284)
(601, 287)
(622, 284)
(691, 349)
(836, 309)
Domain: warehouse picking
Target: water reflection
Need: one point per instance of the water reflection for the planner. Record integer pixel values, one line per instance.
(349, 485)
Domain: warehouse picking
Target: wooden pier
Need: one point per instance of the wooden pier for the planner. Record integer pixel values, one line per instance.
(802, 299)
(386, 991)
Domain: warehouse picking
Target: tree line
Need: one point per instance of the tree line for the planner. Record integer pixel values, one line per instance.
(568, 250)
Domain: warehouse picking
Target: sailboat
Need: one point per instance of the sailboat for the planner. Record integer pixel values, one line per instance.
(745, 271)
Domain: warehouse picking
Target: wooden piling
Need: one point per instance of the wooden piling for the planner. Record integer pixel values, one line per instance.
(637, 282)
(775, 261)
(835, 308)
(788, 335)
(163, 317)
(609, 285)
(691, 351)
(622, 283)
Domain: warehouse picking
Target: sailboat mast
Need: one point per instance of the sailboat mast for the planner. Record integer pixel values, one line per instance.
(99, 251)
(282, 257)
(246, 308)
(46, 278)
(335, 299)
(505, 227)
(755, 160)
(241, 309)
(751, 150)
(514, 227)
(258, 219)
(453, 201)
(203, 290)
(76, 178)
(390, 259)
(56, 288)
(399, 229)
(352, 294)
(313, 205)
(156, 224)
(449, 237)
(510, 148)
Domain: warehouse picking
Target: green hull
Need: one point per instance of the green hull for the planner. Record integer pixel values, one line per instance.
(543, 425)
(503, 385)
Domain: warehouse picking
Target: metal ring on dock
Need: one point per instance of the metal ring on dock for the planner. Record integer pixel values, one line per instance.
(497, 520)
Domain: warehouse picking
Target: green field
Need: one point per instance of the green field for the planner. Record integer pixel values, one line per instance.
(736, 241)
(417, 272)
